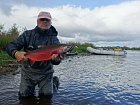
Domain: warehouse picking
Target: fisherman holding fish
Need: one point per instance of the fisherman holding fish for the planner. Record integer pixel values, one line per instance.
(40, 72)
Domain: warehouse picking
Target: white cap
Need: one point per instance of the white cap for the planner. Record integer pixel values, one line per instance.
(46, 15)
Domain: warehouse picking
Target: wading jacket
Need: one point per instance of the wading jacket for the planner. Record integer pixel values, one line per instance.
(31, 40)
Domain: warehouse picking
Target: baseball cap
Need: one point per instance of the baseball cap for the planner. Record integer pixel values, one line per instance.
(46, 15)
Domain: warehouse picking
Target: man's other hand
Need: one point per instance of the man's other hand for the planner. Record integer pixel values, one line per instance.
(20, 56)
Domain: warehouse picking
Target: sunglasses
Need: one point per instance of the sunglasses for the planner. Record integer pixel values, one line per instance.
(44, 19)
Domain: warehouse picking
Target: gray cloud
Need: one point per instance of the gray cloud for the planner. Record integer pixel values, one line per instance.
(109, 23)
(6, 5)
(112, 23)
(5, 8)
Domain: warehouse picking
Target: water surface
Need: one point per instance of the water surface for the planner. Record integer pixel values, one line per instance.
(87, 80)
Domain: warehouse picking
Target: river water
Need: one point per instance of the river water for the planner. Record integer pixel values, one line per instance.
(86, 80)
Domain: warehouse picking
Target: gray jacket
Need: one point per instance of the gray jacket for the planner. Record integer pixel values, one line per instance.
(31, 40)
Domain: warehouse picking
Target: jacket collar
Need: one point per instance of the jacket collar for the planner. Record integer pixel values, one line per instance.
(50, 32)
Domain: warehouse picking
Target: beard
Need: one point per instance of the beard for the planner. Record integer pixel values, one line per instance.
(44, 26)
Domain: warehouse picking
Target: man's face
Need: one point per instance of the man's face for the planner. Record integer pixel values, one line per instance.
(44, 23)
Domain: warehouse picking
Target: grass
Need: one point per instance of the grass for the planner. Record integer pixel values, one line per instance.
(5, 59)
(82, 48)
(5, 39)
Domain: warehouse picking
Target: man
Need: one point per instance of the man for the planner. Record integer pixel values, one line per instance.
(40, 73)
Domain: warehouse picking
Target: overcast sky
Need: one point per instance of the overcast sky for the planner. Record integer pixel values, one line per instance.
(101, 22)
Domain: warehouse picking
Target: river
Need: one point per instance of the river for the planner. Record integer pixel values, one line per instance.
(86, 80)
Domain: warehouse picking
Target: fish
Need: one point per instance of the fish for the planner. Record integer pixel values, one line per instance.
(45, 53)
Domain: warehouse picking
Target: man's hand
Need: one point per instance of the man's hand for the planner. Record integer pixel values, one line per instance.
(55, 59)
(20, 56)
(54, 56)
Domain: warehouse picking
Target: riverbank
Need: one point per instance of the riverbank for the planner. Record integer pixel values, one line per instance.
(7, 63)
(9, 68)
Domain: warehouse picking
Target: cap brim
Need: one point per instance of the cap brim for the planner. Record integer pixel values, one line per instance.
(44, 17)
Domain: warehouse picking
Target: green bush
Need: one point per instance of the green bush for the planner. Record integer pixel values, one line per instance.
(5, 58)
(7, 36)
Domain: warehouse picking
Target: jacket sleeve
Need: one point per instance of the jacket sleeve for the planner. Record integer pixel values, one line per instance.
(16, 45)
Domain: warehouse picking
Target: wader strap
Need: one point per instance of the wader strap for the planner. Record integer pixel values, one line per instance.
(49, 42)
(31, 45)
